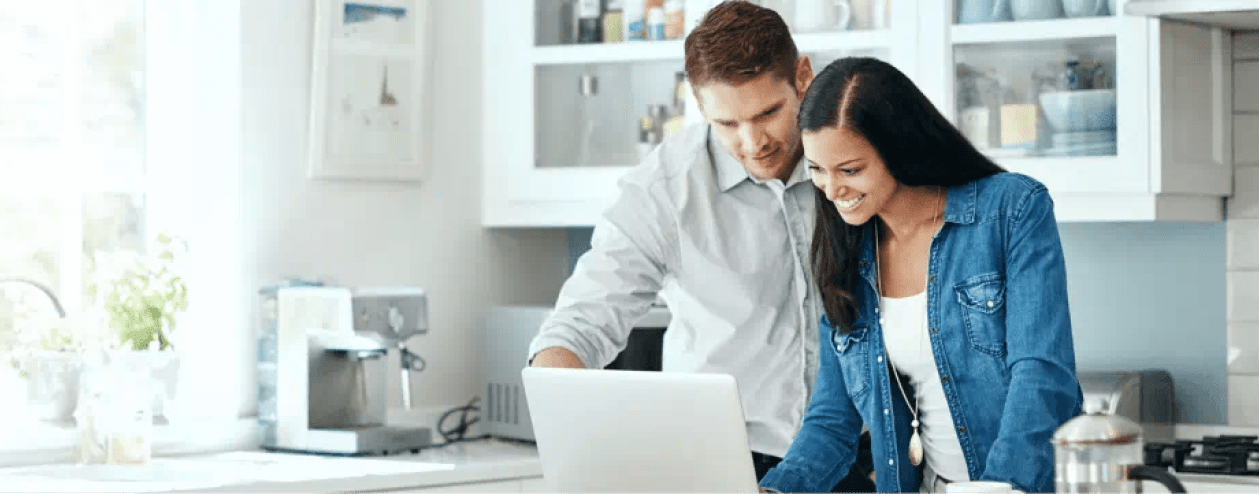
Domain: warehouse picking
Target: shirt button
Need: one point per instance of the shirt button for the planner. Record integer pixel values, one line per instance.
(961, 429)
(933, 279)
(876, 310)
(944, 378)
(885, 411)
(891, 462)
(935, 330)
(880, 358)
(989, 303)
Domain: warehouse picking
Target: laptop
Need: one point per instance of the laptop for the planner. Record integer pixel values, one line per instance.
(636, 431)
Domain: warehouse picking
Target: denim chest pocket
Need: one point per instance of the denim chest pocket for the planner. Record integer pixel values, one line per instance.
(854, 360)
(982, 300)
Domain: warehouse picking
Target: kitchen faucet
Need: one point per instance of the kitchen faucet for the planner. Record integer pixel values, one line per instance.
(56, 304)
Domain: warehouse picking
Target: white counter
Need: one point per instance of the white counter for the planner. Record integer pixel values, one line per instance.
(486, 462)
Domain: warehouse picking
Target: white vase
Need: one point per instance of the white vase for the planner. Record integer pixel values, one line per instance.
(164, 369)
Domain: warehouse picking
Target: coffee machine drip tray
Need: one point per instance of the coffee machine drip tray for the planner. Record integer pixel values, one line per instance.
(362, 441)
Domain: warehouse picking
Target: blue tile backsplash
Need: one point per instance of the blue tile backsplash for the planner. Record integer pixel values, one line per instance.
(1143, 295)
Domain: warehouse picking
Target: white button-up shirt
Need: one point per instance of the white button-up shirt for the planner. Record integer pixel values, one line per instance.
(729, 255)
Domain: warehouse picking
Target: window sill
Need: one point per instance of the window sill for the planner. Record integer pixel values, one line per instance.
(27, 443)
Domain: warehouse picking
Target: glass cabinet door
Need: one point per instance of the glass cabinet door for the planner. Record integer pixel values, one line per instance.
(1052, 98)
(1039, 86)
(605, 114)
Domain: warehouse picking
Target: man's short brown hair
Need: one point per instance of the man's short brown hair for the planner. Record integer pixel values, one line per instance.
(738, 41)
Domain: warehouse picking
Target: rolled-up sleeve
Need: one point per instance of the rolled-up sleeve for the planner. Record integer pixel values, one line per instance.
(616, 281)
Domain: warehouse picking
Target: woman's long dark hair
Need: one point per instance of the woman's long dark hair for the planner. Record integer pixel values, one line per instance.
(918, 145)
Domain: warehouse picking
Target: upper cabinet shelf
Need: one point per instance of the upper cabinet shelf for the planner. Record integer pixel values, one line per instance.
(1006, 32)
(644, 51)
(638, 51)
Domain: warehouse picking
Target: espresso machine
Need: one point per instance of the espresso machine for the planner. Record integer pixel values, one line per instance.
(331, 362)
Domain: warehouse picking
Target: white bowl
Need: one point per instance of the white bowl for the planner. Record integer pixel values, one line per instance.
(1078, 111)
(1034, 10)
(1087, 137)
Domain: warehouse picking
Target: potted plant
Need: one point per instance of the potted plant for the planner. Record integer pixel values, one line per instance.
(141, 300)
(46, 349)
(47, 354)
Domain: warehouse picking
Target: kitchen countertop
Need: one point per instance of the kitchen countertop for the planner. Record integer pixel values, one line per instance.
(261, 471)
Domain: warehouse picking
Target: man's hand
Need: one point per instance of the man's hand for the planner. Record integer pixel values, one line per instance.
(557, 357)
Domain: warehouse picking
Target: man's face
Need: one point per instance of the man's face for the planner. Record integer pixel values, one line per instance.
(756, 120)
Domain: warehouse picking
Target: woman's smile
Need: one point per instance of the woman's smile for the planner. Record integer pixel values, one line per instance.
(850, 204)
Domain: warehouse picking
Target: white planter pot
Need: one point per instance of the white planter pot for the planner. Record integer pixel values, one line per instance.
(52, 389)
(54, 380)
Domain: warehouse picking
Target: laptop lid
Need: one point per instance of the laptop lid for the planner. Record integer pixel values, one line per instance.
(635, 431)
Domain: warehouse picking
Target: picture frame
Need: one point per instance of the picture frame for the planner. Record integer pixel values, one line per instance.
(367, 106)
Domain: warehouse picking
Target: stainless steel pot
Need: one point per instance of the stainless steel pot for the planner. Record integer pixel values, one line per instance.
(1104, 453)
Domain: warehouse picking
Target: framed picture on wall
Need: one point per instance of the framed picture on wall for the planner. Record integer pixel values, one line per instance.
(367, 90)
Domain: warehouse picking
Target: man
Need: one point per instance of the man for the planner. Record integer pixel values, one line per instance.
(718, 222)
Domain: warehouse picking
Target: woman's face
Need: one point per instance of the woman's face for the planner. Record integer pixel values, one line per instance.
(845, 167)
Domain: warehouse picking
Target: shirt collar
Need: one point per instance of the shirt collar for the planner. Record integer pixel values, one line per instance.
(730, 172)
(961, 203)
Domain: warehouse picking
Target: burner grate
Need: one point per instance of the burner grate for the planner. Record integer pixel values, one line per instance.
(1227, 454)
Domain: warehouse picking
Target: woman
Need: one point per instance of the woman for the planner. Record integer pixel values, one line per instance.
(934, 261)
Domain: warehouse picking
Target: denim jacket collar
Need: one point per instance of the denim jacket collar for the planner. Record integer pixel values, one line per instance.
(959, 208)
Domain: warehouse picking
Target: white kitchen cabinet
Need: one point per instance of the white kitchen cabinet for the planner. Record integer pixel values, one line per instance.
(1169, 156)
(1171, 159)
(535, 172)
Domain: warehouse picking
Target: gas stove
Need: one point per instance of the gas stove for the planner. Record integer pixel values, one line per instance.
(1219, 455)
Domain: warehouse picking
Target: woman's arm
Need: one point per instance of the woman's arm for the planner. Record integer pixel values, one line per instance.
(1044, 391)
(826, 446)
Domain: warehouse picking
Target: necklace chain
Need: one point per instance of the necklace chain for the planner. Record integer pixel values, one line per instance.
(879, 296)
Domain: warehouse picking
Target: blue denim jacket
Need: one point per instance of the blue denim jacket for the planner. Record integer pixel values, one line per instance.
(1001, 335)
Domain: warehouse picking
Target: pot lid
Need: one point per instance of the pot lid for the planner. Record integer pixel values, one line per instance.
(1097, 430)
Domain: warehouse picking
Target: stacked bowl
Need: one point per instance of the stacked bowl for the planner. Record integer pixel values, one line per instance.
(1082, 121)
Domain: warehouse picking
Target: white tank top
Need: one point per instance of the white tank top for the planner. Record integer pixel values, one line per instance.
(909, 348)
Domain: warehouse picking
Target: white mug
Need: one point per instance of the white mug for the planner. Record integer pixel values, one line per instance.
(979, 486)
(822, 15)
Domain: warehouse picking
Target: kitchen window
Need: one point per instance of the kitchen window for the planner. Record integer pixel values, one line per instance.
(72, 149)
(120, 119)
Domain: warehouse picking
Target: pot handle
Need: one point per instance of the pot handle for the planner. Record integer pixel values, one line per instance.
(1160, 475)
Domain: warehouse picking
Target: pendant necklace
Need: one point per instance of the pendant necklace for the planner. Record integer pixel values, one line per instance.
(915, 441)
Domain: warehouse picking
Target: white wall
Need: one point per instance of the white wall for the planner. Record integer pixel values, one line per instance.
(1243, 237)
(360, 234)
